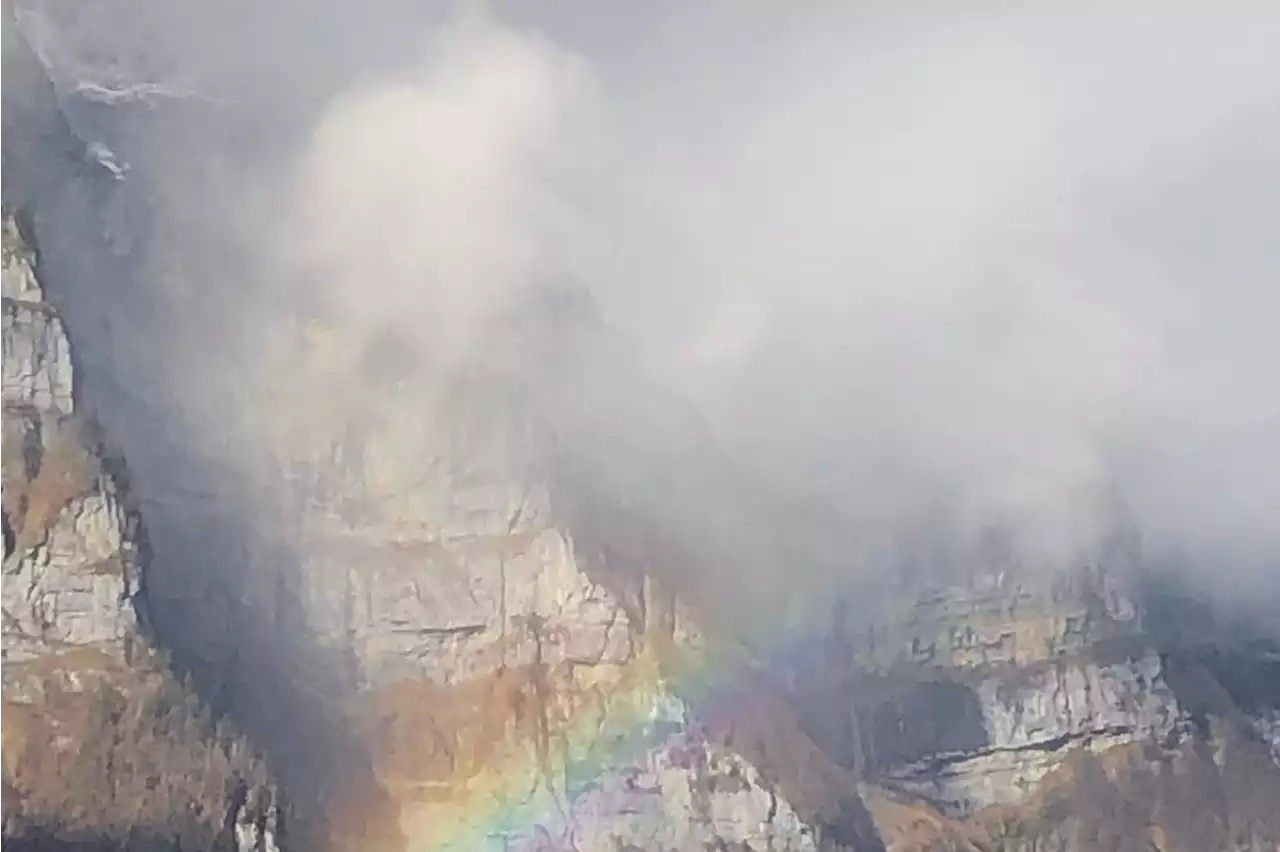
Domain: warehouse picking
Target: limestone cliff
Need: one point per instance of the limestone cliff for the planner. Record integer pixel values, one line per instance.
(519, 601)
(543, 655)
(102, 744)
(524, 675)
(1009, 714)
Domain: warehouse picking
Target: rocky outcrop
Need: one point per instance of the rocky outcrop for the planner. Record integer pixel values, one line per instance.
(542, 654)
(102, 744)
(1073, 727)
(518, 685)
(1030, 728)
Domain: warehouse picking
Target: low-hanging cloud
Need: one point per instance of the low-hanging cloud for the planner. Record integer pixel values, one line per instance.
(1009, 263)
(422, 201)
(984, 268)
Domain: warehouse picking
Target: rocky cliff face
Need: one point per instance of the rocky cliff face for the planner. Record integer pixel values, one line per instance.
(1075, 726)
(508, 623)
(518, 685)
(501, 605)
(102, 744)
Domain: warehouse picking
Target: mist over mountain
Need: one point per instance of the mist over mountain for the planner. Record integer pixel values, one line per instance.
(1004, 264)
(791, 320)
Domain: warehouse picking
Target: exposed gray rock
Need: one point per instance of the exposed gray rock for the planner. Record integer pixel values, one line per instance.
(1033, 724)
(1014, 616)
(18, 276)
(684, 794)
(37, 359)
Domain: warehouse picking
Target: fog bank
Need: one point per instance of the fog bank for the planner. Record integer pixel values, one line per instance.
(1001, 268)
(992, 270)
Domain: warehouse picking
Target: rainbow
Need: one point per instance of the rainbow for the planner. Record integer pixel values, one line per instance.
(519, 804)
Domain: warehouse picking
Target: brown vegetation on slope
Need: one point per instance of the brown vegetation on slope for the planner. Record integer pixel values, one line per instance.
(1214, 792)
(102, 749)
(43, 474)
(67, 470)
(113, 753)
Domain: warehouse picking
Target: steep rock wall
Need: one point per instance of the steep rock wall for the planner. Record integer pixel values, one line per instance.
(1074, 727)
(514, 685)
(102, 743)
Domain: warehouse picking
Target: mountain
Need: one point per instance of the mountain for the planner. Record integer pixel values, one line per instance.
(301, 586)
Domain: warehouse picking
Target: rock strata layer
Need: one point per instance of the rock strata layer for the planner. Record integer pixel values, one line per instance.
(1073, 727)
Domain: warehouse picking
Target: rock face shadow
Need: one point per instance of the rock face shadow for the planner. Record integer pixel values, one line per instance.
(869, 723)
(921, 720)
(221, 593)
